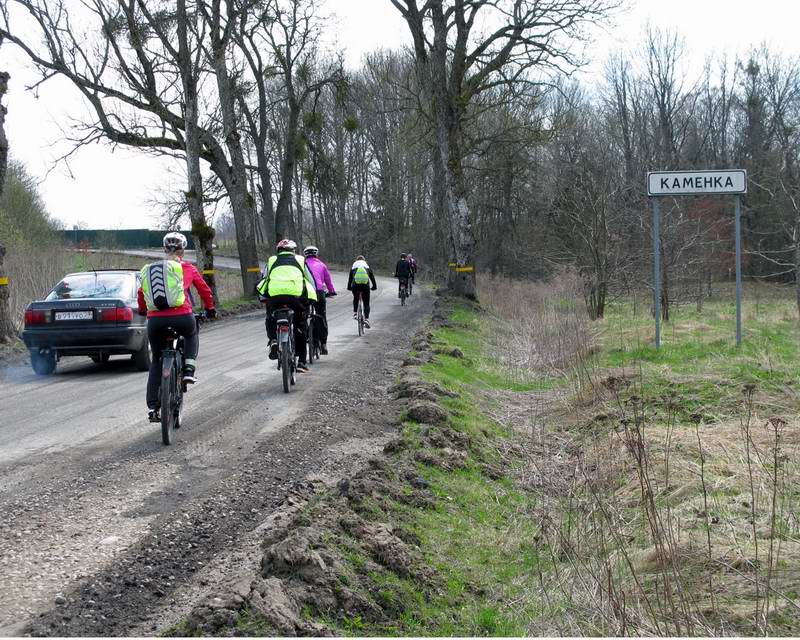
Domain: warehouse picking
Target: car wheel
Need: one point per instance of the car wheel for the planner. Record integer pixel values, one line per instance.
(142, 357)
(44, 364)
(103, 357)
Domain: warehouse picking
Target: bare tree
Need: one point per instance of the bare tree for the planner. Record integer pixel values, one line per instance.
(189, 68)
(187, 56)
(6, 325)
(221, 23)
(291, 39)
(132, 82)
(460, 63)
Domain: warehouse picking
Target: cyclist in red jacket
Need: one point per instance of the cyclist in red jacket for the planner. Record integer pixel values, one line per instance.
(180, 318)
(412, 261)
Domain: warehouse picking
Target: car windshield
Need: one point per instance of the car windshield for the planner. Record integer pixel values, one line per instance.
(93, 285)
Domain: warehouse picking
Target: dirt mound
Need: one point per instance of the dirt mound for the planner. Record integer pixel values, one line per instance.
(331, 559)
(427, 412)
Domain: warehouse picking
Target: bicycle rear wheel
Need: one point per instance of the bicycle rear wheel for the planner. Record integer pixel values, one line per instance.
(169, 385)
(286, 367)
(403, 297)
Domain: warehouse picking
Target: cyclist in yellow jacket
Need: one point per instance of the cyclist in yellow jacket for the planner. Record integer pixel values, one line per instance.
(359, 283)
(287, 282)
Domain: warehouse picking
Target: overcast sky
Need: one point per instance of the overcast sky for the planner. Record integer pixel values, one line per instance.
(105, 189)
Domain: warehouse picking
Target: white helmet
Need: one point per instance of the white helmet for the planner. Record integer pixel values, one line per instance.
(310, 250)
(286, 245)
(174, 241)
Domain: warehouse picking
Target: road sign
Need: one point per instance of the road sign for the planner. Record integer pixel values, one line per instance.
(687, 183)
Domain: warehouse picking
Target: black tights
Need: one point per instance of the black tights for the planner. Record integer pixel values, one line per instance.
(364, 290)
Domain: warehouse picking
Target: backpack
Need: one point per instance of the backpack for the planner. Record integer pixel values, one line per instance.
(361, 276)
(162, 285)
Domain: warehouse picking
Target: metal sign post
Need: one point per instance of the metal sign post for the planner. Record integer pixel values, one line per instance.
(657, 267)
(738, 230)
(695, 183)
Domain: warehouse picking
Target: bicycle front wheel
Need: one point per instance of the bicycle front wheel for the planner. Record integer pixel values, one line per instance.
(310, 342)
(169, 385)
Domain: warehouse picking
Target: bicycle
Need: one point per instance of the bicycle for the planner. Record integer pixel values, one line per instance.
(287, 359)
(404, 291)
(360, 315)
(410, 285)
(172, 385)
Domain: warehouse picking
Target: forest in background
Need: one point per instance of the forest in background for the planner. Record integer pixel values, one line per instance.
(476, 147)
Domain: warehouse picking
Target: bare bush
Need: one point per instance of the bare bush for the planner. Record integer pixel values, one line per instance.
(34, 272)
(547, 330)
(33, 275)
(652, 527)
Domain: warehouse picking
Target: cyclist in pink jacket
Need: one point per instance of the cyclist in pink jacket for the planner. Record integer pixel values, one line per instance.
(325, 288)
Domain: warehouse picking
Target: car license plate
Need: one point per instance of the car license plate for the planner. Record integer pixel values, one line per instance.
(73, 315)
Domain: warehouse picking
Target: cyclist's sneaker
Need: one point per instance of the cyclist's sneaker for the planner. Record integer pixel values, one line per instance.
(189, 376)
(366, 323)
(302, 367)
(323, 349)
(355, 316)
(153, 415)
(273, 349)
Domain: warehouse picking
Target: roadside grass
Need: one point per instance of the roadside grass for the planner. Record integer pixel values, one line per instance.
(478, 535)
(644, 492)
(690, 455)
(603, 488)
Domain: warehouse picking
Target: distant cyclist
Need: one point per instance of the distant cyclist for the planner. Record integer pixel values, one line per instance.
(322, 277)
(360, 277)
(402, 271)
(287, 282)
(165, 298)
(413, 262)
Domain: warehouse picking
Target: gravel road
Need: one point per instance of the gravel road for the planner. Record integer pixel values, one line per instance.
(101, 524)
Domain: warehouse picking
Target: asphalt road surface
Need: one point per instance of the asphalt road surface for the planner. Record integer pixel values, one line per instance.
(84, 478)
(220, 262)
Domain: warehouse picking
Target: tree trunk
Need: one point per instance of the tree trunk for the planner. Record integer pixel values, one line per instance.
(265, 189)
(7, 329)
(282, 213)
(458, 213)
(298, 217)
(202, 232)
(796, 260)
(441, 228)
(242, 202)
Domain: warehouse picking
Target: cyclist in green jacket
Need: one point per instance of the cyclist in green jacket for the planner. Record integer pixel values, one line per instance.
(287, 282)
(360, 277)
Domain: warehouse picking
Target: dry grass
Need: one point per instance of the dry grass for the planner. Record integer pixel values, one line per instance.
(34, 272)
(666, 486)
(544, 329)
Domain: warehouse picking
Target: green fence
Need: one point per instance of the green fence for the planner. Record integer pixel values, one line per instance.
(119, 238)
